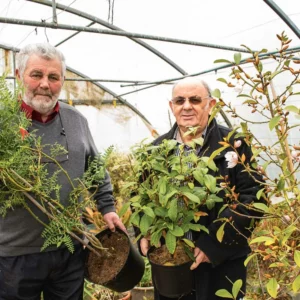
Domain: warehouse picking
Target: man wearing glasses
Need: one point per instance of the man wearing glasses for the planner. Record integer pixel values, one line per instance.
(217, 265)
(25, 271)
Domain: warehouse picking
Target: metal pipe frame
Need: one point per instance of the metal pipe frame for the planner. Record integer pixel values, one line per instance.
(117, 32)
(283, 16)
(113, 27)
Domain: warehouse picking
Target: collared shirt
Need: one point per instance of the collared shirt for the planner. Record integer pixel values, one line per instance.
(35, 115)
(187, 148)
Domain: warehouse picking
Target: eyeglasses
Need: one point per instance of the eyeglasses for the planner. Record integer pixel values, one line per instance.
(194, 100)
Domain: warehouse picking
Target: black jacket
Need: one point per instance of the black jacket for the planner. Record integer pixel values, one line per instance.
(234, 244)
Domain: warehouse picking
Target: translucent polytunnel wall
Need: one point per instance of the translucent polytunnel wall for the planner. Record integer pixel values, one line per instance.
(135, 50)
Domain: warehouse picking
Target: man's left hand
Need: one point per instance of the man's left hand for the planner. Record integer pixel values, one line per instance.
(200, 257)
(112, 221)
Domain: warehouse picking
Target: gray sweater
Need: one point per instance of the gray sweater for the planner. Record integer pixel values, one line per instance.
(20, 232)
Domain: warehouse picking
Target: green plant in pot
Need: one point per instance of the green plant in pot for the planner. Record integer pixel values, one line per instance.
(169, 190)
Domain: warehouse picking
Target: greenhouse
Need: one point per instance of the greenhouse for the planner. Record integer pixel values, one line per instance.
(123, 58)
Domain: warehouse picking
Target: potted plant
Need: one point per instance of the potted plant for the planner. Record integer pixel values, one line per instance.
(275, 261)
(169, 190)
(26, 182)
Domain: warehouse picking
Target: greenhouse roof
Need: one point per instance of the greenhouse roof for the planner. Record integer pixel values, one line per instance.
(135, 49)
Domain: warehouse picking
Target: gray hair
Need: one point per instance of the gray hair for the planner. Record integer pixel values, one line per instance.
(196, 81)
(45, 51)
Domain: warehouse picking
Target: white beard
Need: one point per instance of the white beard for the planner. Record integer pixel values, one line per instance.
(42, 104)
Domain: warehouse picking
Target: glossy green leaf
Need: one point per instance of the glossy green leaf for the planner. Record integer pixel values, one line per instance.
(296, 284)
(210, 182)
(248, 259)
(216, 93)
(274, 122)
(224, 294)
(172, 211)
(222, 61)
(259, 193)
(170, 242)
(145, 223)
(262, 206)
(262, 239)
(222, 80)
(155, 238)
(189, 243)
(148, 211)
(237, 58)
(123, 209)
(191, 197)
(293, 109)
(236, 287)
(297, 257)
(220, 232)
(177, 231)
(272, 286)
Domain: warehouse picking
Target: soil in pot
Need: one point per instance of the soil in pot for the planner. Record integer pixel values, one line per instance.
(161, 256)
(103, 268)
(171, 274)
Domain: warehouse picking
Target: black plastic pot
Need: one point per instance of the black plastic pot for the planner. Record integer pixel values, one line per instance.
(130, 274)
(172, 281)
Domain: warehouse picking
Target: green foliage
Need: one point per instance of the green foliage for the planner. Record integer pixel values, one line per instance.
(24, 178)
(274, 263)
(166, 193)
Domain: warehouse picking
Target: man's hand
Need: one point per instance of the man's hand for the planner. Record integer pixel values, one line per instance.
(200, 258)
(112, 221)
(144, 244)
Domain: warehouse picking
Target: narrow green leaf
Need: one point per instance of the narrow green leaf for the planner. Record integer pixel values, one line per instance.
(236, 287)
(272, 286)
(222, 80)
(292, 108)
(220, 232)
(274, 122)
(172, 211)
(297, 257)
(145, 223)
(189, 243)
(262, 207)
(170, 242)
(123, 209)
(244, 95)
(222, 61)
(155, 237)
(248, 259)
(296, 284)
(217, 152)
(148, 211)
(191, 197)
(210, 182)
(259, 193)
(224, 294)
(198, 176)
(237, 58)
(262, 239)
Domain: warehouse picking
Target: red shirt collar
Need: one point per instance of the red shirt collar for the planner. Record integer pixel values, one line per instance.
(35, 115)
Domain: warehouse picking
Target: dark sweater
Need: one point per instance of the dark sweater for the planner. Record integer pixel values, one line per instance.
(20, 232)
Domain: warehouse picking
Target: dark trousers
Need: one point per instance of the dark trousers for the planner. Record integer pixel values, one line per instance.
(208, 280)
(59, 275)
